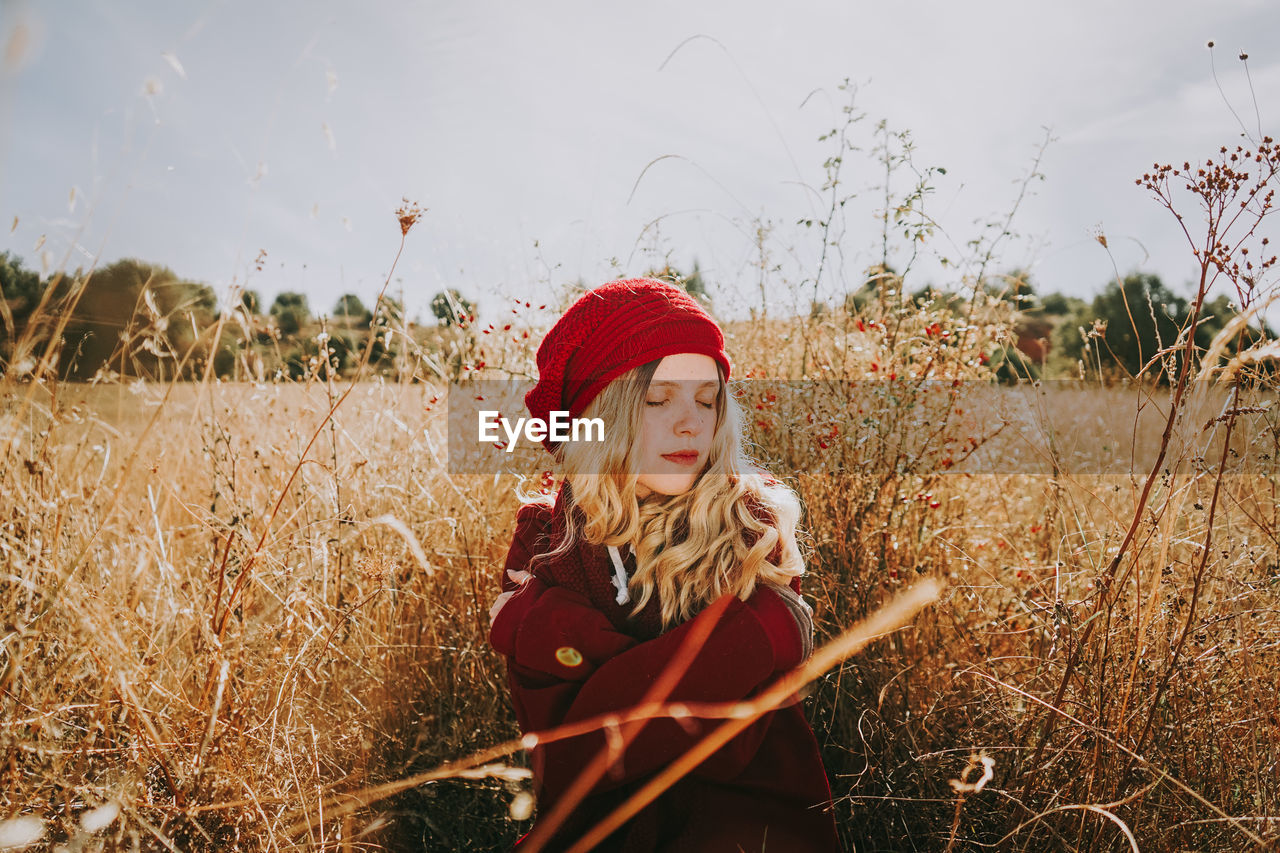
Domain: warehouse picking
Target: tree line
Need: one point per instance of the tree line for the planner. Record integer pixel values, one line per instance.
(1120, 333)
(136, 319)
(133, 319)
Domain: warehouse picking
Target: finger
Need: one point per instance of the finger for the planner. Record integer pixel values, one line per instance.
(497, 605)
(519, 576)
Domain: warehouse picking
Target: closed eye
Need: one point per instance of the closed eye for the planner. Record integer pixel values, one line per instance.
(710, 405)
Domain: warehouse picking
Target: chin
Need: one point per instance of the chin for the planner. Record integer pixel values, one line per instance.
(669, 485)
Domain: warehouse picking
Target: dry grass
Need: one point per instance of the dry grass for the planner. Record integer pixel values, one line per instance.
(177, 643)
(225, 604)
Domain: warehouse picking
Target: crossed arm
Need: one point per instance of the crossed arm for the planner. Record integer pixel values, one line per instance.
(567, 664)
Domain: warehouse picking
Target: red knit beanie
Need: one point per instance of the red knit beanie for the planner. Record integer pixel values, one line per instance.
(617, 326)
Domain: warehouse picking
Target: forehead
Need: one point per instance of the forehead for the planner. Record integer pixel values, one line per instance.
(687, 367)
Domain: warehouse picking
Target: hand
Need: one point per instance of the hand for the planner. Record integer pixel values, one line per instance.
(520, 577)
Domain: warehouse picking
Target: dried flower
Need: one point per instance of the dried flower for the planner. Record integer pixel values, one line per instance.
(408, 213)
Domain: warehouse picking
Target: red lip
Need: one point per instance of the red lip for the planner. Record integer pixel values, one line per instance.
(683, 457)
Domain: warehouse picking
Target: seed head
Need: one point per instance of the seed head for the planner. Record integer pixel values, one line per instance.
(408, 213)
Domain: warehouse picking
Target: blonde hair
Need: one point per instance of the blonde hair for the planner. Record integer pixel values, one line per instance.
(690, 548)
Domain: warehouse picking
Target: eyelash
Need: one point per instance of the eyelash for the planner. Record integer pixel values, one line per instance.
(664, 402)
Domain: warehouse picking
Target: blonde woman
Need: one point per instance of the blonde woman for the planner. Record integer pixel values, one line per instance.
(661, 533)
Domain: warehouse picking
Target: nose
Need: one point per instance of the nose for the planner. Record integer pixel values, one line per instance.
(690, 421)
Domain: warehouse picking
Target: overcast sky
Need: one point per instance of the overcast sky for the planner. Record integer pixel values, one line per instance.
(197, 134)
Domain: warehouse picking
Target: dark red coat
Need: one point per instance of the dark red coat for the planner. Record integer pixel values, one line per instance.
(765, 789)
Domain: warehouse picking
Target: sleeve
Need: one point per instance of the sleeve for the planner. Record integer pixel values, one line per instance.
(563, 636)
(533, 525)
(745, 645)
(801, 612)
(557, 632)
(532, 521)
(502, 634)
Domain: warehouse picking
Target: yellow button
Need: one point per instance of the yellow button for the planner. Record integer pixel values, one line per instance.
(568, 655)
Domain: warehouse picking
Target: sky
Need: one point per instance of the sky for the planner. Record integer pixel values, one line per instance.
(553, 141)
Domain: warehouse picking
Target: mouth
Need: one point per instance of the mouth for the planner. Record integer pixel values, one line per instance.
(683, 457)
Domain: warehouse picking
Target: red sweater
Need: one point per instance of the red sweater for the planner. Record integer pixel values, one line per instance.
(573, 655)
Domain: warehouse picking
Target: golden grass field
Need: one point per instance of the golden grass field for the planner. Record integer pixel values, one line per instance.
(227, 608)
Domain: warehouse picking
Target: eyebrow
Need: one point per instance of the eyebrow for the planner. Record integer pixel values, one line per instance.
(676, 383)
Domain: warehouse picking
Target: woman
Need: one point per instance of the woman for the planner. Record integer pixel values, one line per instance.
(667, 569)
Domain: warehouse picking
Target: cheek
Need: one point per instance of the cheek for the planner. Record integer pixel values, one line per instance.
(707, 425)
(652, 429)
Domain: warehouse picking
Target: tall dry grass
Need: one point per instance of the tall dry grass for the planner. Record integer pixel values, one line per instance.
(173, 647)
(227, 605)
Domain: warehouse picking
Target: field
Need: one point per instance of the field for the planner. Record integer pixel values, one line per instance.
(254, 615)
(227, 607)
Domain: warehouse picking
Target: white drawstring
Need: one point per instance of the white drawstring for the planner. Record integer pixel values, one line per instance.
(619, 576)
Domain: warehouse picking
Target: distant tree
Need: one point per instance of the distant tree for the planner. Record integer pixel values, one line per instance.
(291, 311)
(932, 295)
(290, 299)
(389, 310)
(343, 350)
(387, 328)
(449, 305)
(1130, 321)
(1016, 287)
(20, 292)
(695, 286)
(1060, 305)
(224, 359)
(925, 295)
(251, 301)
(693, 283)
(133, 318)
(1215, 316)
(352, 308)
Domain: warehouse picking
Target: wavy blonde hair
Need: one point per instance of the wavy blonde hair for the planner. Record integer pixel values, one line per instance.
(690, 548)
